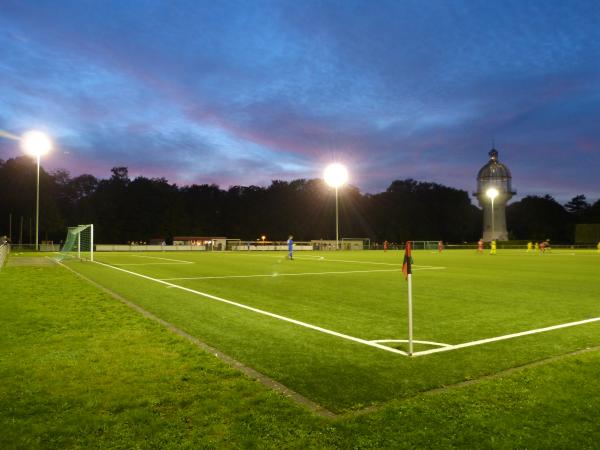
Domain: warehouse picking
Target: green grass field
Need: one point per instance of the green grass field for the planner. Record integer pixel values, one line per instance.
(79, 369)
(459, 297)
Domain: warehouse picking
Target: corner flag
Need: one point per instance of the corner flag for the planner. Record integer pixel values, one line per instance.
(407, 270)
(407, 263)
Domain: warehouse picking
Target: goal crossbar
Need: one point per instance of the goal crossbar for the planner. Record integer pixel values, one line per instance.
(80, 241)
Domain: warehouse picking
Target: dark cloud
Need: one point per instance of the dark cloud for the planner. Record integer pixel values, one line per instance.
(244, 92)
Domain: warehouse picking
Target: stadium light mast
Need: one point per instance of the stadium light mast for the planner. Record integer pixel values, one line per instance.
(36, 144)
(492, 193)
(336, 175)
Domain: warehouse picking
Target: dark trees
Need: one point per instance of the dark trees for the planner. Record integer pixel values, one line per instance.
(126, 210)
(539, 218)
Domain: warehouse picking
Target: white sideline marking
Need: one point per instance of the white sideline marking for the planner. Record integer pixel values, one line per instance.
(275, 275)
(260, 311)
(507, 336)
(181, 261)
(349, 261)
(365, 262)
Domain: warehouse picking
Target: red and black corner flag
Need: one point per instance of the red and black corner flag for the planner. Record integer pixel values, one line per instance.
(407, 263)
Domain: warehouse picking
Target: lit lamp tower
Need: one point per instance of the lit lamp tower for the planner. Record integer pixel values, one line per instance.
(36, 144)
(494, 190)
(492, 193)
(336, 176)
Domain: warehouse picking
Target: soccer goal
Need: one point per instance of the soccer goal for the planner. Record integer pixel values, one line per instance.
(79, 242)
(356, 243)
(424, 245)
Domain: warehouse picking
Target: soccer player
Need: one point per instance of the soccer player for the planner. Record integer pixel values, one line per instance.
(480, 246)
(598, 246)
(537, 247)
(385, 246)
(290, 243)
(493, 247)
(440, 246)
(529, 246)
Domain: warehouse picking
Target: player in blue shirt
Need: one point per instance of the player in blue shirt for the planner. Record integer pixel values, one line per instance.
(290, 243)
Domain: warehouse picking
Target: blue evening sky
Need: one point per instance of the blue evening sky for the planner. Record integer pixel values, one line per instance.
(243, 92)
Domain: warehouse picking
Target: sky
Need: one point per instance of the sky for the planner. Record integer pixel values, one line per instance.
(245, 92)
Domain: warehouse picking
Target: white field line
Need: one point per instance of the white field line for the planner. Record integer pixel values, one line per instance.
(260, 311)
(164, 259)
(438, 344)
(349, 261)
(507, 336)
(151, 264)
(366, 262)
(275, 275)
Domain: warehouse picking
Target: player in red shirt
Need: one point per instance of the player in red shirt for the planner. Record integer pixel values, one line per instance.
(385, 246)
(440, 246)
(480, 246)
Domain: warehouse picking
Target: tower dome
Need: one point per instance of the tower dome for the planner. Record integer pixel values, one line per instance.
(494, 174)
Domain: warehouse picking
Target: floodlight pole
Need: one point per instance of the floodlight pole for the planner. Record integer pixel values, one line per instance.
(337, 225)
(410, 316)
(493, 231)
(37, 205)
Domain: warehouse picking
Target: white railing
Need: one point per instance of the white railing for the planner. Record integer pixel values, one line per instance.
(148, 248)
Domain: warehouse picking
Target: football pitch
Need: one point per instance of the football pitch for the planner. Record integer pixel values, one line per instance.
(332, 326)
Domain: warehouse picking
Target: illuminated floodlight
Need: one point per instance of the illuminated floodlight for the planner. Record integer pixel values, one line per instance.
(492, 193)
(35, 143)
(335, 175)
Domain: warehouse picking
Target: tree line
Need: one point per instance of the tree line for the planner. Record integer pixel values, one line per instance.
(140, 209)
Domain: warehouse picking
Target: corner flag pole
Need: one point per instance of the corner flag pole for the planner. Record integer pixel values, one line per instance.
(410, 318)
(407, 270)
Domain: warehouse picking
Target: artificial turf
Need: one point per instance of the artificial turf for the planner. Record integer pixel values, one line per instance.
(80, 370)
(459, 296)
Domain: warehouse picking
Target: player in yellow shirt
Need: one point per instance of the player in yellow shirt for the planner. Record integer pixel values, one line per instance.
(493, 248)
(537, 247)
(598, 246)
(529, 246)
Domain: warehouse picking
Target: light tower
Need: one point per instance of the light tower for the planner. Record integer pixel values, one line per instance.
(36, 144)
(494, 190)
(336, 175)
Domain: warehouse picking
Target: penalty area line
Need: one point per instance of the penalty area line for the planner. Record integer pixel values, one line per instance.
(260, 311)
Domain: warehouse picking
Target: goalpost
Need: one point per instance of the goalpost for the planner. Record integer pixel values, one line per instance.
(79, 242)
(425, 245)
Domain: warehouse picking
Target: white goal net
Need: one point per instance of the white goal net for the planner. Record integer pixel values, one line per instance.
(79, 242)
